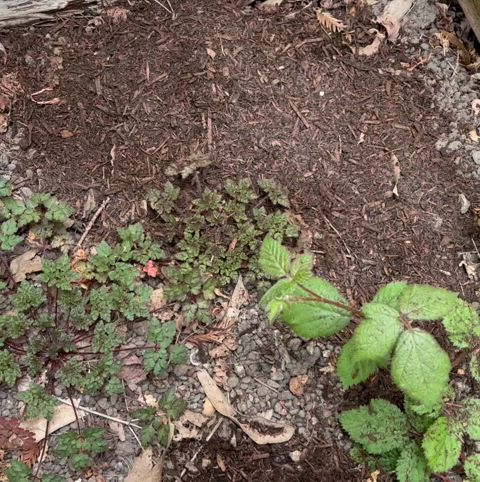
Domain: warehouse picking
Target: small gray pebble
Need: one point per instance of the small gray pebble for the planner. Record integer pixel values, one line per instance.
(233, 381)
(476, 157)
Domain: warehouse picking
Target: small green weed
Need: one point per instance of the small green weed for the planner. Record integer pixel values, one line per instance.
(19, 472)
(427, 437)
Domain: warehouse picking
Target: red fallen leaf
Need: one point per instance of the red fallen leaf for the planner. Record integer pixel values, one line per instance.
(13, 437)
(150, 269)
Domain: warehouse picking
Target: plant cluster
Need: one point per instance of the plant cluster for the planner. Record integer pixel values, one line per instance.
(427, 437)
(219, 236)
(43, 216)
(20, 472)
(157, 429)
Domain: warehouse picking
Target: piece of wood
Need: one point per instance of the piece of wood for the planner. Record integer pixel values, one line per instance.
(471, 9)
(17, 12)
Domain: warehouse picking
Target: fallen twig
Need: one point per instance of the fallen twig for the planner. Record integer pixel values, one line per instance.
(98, 414)
(92, 222)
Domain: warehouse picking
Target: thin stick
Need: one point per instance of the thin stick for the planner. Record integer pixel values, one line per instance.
(136, 437)
(195, 455)
(338, 234)
(299, 114)
(98, 414)
(92, 222)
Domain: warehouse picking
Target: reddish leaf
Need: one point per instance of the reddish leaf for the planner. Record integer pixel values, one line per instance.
(13, 437)
(150, 269)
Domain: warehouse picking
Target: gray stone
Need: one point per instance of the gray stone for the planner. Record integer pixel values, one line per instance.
(103, 403)
(233, 381)
(294, 344)
(25, 192)
(454, 146)
(239, 370)
(476, 157)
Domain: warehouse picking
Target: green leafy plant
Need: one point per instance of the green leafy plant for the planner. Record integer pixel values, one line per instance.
(217, 237)
(81, 448)
(20, 472)
(43, 215)
(157, 428)
(387, 336)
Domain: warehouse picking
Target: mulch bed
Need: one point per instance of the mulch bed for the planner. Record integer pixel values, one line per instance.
(263, 95)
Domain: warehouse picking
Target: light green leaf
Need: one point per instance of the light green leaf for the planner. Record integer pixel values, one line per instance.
(281, 288)
(274, 258)
(390, 294)
(351, 372)
(442, 445)
(312, 319)
(411, 465)
(301, 269)
(462, 325)
(375, 337)
(472, 416)
(274, 308)
(474, 366)
(423, 302)
(420, 368)
(379, 427)
(472, 468)
(5, 188)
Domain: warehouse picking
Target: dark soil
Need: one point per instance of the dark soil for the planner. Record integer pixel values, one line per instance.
(263, 95)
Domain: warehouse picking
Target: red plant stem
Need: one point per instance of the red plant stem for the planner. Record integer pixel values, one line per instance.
(321, 299)
(74, 411)
(44, 448)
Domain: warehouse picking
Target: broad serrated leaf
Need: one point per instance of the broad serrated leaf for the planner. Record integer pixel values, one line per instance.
(442, 445)
(420, 368)
(411, 465)
(424, 302)
(472, 417)
(301, 269)
(420, 421)
(351, 372)
(281, 288)
(378, 427)
(313, 319)
(375, 337)
(462, 325)
(390, 294)
(274, 259)
(472, 468)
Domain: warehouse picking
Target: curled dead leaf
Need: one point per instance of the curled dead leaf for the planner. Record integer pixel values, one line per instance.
(374, 47)
(476, 106)
(392, 15)
(259, 429)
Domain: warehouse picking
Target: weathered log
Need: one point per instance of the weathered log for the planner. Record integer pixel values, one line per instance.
(471, 9)
(16, 12)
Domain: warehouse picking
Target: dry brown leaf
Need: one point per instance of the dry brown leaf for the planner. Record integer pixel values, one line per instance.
(238, 299)
(144, 469)
(133, 375)
(118, 429)
(148, 399)
(25, 264)
(374, 47)
(208, 409)
(448, 39)
(329, 22)
(297, 385)
(473, 134)
(211, 53)
(188, 424)
(392, 16)
(66, 134)
(62, 416)
(157, 300)
(471, 263)
(259, 429)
